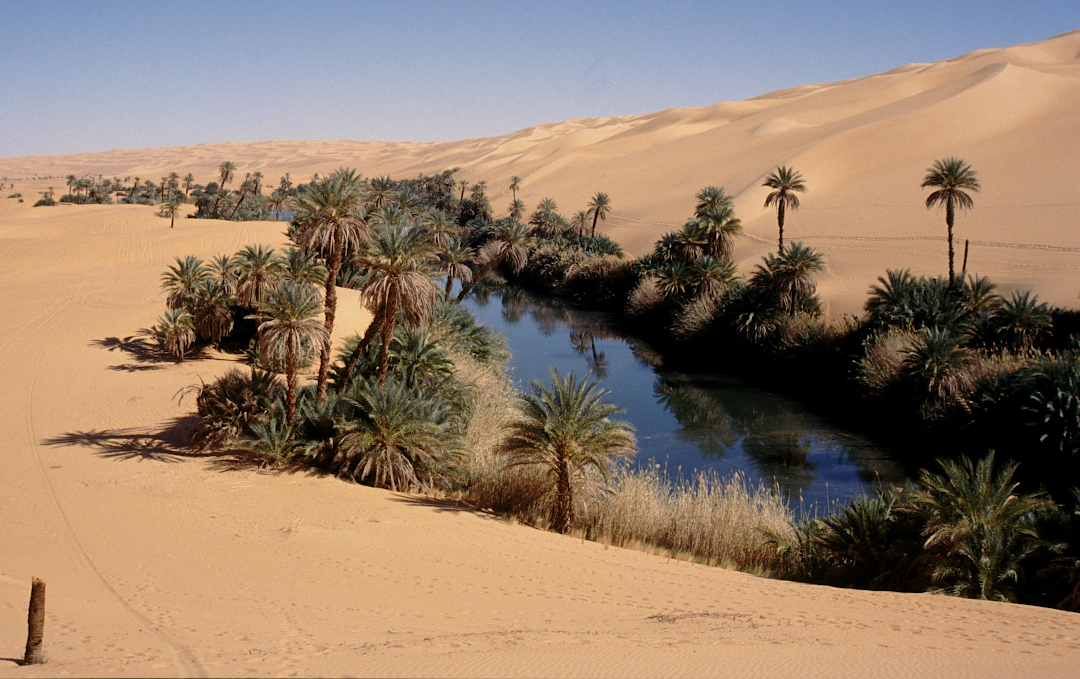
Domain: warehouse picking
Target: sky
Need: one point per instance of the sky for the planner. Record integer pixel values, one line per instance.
(91, 76)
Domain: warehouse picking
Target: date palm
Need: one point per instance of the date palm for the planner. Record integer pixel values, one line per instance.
(257, 180)
(225, 172)
(290, 325)
(211, 311)
(793, 275)
(329, 220)
(223, 267)
(510, 245)
(952, 178)
(712, 198)
(982, 527)
(380, 192)
(599, 207)
(579, 222)
(1021, 320)
(188, 180)
(719, 226)
(456, 258)
(303, 268)
(785, 182)
(169, 210)
(440, 228)
(176, 332)
(181, 282)
(517, 209)
(566, 428)
(258, 273)
(515, 184)
(398, 260)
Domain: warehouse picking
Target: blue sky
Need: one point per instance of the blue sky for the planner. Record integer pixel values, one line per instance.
(85, 76)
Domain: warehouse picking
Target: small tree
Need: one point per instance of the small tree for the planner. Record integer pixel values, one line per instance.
(599, 207)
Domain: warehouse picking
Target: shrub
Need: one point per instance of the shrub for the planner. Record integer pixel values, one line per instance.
(230, 405)
(15, 195)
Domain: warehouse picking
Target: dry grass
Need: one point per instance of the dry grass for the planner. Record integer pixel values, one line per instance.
(885, 355)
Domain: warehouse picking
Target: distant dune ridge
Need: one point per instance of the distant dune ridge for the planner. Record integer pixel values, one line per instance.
(862, 144)
(161, 562)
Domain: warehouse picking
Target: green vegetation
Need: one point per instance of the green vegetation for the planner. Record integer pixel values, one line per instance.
(420, 401)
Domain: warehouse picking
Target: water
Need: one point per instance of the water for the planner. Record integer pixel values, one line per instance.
(688, 422)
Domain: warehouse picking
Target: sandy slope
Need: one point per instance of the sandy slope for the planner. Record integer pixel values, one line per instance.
(159, 563)
(863, 145)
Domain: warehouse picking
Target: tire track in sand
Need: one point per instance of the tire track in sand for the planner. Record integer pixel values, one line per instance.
(184, 657)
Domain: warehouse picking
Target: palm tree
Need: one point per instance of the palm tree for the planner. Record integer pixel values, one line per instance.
(599, 207)
(785, 182)
(510, 244)
(303, 268)
(226, 171)
(938, 368)
(182, 281)
(397, 438)
(289, 326)
(258, 273)
(329, 221)
(515, 184)
(223, 267)
(579, 221)
(441, 229)
(517, 209)
(176, 332)
(951, 177)
(455, 260)
(70, 182)
(380, 192)
(398, 283)
(1021, 320)
(257, 180)
(189, 179)
(793, 275)
(719, 226)
(174, 181)
(170, 209)
(211, 311)
(980, 525)
(712, 198)
(566, 429)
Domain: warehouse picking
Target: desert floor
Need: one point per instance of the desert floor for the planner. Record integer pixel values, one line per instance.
(164, 563)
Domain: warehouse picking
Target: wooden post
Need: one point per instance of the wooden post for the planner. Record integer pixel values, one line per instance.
(36, 624)
(964, 268)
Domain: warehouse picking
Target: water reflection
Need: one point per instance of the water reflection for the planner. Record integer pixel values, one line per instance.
(690, 422)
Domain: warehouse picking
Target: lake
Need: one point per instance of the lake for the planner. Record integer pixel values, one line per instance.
(689, 422)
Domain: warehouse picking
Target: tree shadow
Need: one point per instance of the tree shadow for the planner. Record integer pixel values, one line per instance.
(171, 444)
(440, 504)
(140, 347)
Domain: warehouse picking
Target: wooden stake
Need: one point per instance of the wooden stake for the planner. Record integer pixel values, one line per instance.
(36, 624)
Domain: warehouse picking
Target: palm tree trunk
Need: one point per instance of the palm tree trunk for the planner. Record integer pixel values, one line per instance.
(780, 221)
(238, 204)
(449, 284)
(35, 623)
(332, 268)
(564, 508)
(373, 329)
(949, 216)
(389, 321)
(466, 288)
(595, 216)
(172, 222)
(462, 199)
(290, 385)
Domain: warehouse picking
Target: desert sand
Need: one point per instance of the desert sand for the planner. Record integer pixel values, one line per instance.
(164, 563)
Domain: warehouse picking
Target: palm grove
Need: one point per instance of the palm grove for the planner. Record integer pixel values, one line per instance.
(945, 357)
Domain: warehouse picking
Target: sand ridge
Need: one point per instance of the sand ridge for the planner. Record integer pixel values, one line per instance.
(164, 563)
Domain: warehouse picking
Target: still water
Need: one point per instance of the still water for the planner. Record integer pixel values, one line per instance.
(688, 422)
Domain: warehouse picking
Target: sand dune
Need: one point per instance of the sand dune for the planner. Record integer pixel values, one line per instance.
(863, 145)
(163, 564)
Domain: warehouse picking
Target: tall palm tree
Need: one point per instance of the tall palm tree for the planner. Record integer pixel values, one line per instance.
(189, 179)
(257, 180)
(719, 226)
(785, 182)
(952, 178)
(515, 184)
(398, 259)
(455, 262)
(176, 332)
(579, 221)
(181, 282)
(277, 202)
(566, 429)
(70, 182)
(599, 207)
(290, 326)
(258, 273)
(303, 268)
(225, 172)
(510, 244)
(329, 221)
(712, 198)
